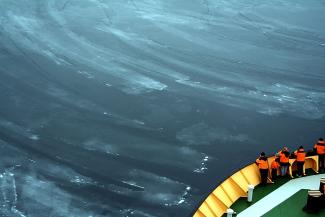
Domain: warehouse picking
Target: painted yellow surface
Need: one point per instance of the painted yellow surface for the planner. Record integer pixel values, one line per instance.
(222, 196)
(310, 163)
(236, 186)
(229, 191)
(198, 214)
(252, 174)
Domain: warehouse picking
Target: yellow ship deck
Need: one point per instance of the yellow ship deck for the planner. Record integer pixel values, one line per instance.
(236, 187)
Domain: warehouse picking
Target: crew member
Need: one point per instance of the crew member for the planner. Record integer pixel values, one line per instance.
(320, 150)
(275, 165)
(263, 167)
(301, 155)
(284, 160)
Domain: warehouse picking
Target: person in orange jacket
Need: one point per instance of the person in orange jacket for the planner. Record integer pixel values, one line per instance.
(301, 155)
(284, 155)
(320, 150)
(263, 167)
(275, 165)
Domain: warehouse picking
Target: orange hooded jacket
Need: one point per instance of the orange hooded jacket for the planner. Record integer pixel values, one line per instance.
(320, 147)
(301, 155)
(262, 163)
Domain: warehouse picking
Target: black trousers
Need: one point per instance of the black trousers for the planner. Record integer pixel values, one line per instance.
(264, 173)
(274, 174)
(300, 168)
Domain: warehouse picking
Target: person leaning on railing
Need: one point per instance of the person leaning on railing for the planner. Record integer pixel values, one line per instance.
(275, 165)
(319, 147)
(263, 167)
(300, 157)
(284, 155)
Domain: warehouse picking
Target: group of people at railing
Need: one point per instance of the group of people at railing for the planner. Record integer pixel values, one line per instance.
(282, 158)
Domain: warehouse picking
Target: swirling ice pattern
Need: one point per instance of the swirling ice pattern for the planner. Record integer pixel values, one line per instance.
(124, 42)
(114, 108)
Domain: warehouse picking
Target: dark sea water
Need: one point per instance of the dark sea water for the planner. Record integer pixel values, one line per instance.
(140, 108)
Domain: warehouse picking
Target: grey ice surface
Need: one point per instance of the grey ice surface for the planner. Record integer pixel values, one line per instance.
(139, 108)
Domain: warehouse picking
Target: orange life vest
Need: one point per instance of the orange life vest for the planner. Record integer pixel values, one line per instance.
(275, 165)
(262, 163)
(320, 147)
(301, 155)
(283, 157)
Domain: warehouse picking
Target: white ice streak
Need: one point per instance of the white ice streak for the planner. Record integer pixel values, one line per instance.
(9, 196)
(26, 24)
(45, 194)
(82, 180)
(139, 122)
(270, 99)
(26, 132)
(66, 173)
(38, 194)
(55, 58)
(203, 134)
(159, 189)
(203, 166)
(86, 74)
(34, 137)
(135, 148)
(295, 100)
(98, 145)
(133, 184)
(132, 212)
(140, 84)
